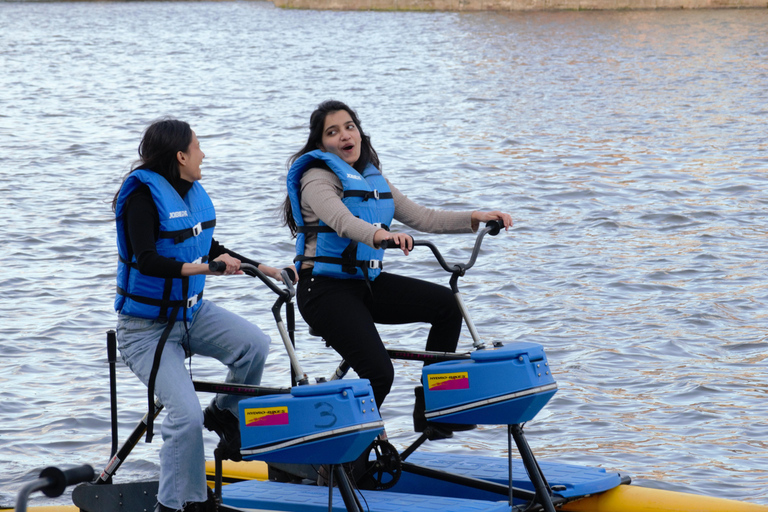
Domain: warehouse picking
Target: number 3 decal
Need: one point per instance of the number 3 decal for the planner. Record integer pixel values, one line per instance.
(327, 410)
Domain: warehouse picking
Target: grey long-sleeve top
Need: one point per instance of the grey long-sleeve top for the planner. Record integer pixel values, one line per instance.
(321, 194)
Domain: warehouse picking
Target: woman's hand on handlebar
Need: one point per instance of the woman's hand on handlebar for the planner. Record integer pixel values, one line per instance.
(478, 217)
(233, 265)
(274, 273)
(403, 241)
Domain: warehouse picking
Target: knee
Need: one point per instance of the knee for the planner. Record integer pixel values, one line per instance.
(253, 348)
(448, 307)
(187, 422)
(381, 380)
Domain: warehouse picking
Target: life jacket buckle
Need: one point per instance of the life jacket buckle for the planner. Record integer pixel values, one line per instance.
(191, 302)
(375, 264)
(375, 194)
(197, 229)
(198, 260)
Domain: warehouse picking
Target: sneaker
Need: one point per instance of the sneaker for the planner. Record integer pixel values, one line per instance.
(209, 505)
(227, 426)
(440, 430)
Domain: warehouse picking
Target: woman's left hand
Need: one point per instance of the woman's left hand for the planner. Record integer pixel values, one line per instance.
(478, 217)
(233, 264)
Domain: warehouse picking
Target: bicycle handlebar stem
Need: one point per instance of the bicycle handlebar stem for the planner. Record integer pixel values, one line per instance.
(284, 296)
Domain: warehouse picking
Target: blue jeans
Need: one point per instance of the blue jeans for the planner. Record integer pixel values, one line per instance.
(213, 332)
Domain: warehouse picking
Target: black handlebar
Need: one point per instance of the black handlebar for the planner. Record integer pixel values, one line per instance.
(492, 228)
(288, 275)
(52, 482)
(217, 266)
(60, 480)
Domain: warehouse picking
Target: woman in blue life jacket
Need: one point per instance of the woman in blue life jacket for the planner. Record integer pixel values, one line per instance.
(165, 223)
(340, 207)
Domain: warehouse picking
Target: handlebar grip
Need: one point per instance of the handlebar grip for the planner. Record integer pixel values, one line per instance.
(495, 226)
(217, 266)
(290, 273)
(389, 244)
(60, 480)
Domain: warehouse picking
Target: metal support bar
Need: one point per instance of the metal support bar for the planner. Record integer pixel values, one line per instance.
(345, 488)
(543, 493)
(218, 476)
(117, 459)
(112, 360)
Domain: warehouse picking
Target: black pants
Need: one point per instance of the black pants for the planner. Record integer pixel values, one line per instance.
(344, 311)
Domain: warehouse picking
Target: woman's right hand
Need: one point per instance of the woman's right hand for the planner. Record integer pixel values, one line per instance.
(405, 242)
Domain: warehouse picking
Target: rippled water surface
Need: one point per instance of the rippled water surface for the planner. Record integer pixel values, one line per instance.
(630, 148)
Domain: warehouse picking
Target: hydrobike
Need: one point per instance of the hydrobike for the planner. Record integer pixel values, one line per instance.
(333, 428)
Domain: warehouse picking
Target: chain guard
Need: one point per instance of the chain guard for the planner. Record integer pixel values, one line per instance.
(384, 471)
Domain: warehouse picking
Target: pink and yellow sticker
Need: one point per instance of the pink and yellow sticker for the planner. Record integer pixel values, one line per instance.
(448, 381)
(266, 416)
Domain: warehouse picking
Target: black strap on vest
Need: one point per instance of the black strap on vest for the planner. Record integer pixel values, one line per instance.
(326, 229)
(364, 265)
(348, 259)
(153, 373)
(368, 194)
(170, 322)
(184, 234)
(164, 303)
(158, 302)
(135, 265)
(314, 229)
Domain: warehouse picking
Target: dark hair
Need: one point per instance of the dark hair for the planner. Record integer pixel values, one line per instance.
(316, 127)
(161, 142)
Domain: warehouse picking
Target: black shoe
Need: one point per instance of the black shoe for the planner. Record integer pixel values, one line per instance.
(209, 505)
(206, 506)
(162, 508)
(439, 430)
(226, 425)
(191, 507)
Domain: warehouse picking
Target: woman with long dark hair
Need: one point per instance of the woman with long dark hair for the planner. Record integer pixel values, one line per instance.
(165, 223)
(340, 207)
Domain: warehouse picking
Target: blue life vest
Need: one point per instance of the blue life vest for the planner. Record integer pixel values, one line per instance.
(186, 233)
(367, 196)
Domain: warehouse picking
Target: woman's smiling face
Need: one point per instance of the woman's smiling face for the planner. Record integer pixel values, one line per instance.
(341, 136)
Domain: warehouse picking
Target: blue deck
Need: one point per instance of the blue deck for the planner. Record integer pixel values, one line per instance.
(418, 493)
(311, 498)
(577, 480)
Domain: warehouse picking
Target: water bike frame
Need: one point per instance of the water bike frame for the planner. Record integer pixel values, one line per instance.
(541, 498)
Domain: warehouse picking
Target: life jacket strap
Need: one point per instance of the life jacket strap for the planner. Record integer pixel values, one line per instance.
(363, 264)
(314, 229)
(188, 303)
(133, 264)
(153, 373)
(328, 229)
(181, 235)
(368, 194)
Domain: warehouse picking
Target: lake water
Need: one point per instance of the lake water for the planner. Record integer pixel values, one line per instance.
(630, 147)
